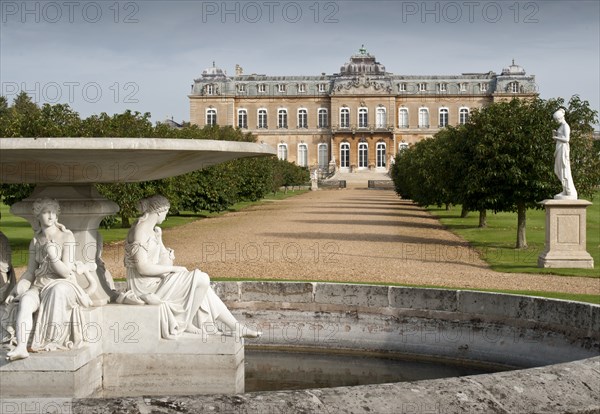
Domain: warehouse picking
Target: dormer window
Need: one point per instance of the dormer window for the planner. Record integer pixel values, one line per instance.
(322, 87)
(402, 87)
(513, 87)
(483, 87)
(209, 89)
(301, 88)
(422, 87)
(281, 88)
(462, 87)
(241, 88)
(262, 88)
(442, 87)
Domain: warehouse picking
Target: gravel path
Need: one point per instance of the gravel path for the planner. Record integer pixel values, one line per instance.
(353, 235)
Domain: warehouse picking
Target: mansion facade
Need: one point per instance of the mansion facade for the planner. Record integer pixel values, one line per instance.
(357, 119)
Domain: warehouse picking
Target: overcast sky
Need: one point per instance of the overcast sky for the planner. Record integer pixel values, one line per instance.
(108, 56)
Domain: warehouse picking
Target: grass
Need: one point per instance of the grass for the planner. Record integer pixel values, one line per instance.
(496, 242)
(19, 231)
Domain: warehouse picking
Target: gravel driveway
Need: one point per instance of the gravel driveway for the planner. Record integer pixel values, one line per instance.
(352, 235)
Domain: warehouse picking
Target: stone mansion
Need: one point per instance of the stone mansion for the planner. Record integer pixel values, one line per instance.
(356, 119)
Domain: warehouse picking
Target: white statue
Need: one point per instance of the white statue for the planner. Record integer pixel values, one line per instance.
(48, 287)
(7, 272)
(188, 303)
(562, 163)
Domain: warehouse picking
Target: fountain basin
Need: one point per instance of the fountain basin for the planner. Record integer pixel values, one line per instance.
(110, 160)
(555, 343)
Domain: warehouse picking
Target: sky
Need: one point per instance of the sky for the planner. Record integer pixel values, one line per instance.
(109, 56)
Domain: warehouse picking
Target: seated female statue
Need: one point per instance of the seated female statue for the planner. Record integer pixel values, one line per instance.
(48, 286)
(187, 301)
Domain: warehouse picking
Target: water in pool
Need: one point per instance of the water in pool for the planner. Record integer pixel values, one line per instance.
(268, 370)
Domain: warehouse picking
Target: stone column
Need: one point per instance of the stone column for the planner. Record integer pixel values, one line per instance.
(565, 235)
(82, 209)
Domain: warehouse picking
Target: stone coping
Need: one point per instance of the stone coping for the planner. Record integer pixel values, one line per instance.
(558, 388)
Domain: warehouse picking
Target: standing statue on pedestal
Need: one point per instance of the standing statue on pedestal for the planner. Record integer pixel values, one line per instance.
(187, 301)
(562, 163)
(48, 287)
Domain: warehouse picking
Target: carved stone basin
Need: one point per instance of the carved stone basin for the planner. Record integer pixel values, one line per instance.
(109, 160)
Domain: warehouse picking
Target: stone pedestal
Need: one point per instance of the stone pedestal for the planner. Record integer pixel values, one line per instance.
(124, 356)
(82, 209)
(565, 235)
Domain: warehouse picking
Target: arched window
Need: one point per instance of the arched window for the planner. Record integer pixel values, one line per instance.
(303, 155)
(381, 155)
(423, 118)
(282, 152)
(302, 118)
(282, 119)
(323, 156)
(363, 117)
(443, 117)
(344, 118)
(262, 118)
(403, 118)
(211, 116)
(381, 118)
(463, 115)
(344, 155)
(242, 118)
(323, 118)
(363, 155)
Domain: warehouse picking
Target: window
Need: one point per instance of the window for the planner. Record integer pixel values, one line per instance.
(381, 118)
(281, 88)
(302, 118)
(513, 87)
(403, 118)
(423, 118)
(381, 155)
(302, 88)
(322, 87)
(345, 118)
(242, 118)
(402, 87)
(363, 155)
(483, 87)
(463, 116)
(211, 116)
(282, 152)
(402, 146)
(262, 88)
(303, 155)
(282, 118)
(422, 87)
(363, 118)
(443, 117)
(462, 87)
(323, 118)
(323, 156)
(262, 118)
(241, 88)
(344, 155)
(209, 89)
(442, 87)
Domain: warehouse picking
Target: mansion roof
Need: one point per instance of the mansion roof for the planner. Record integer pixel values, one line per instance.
(362, 74)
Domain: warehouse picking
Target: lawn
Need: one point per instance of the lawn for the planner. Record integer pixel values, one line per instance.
(496, 242)
(19, 231)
